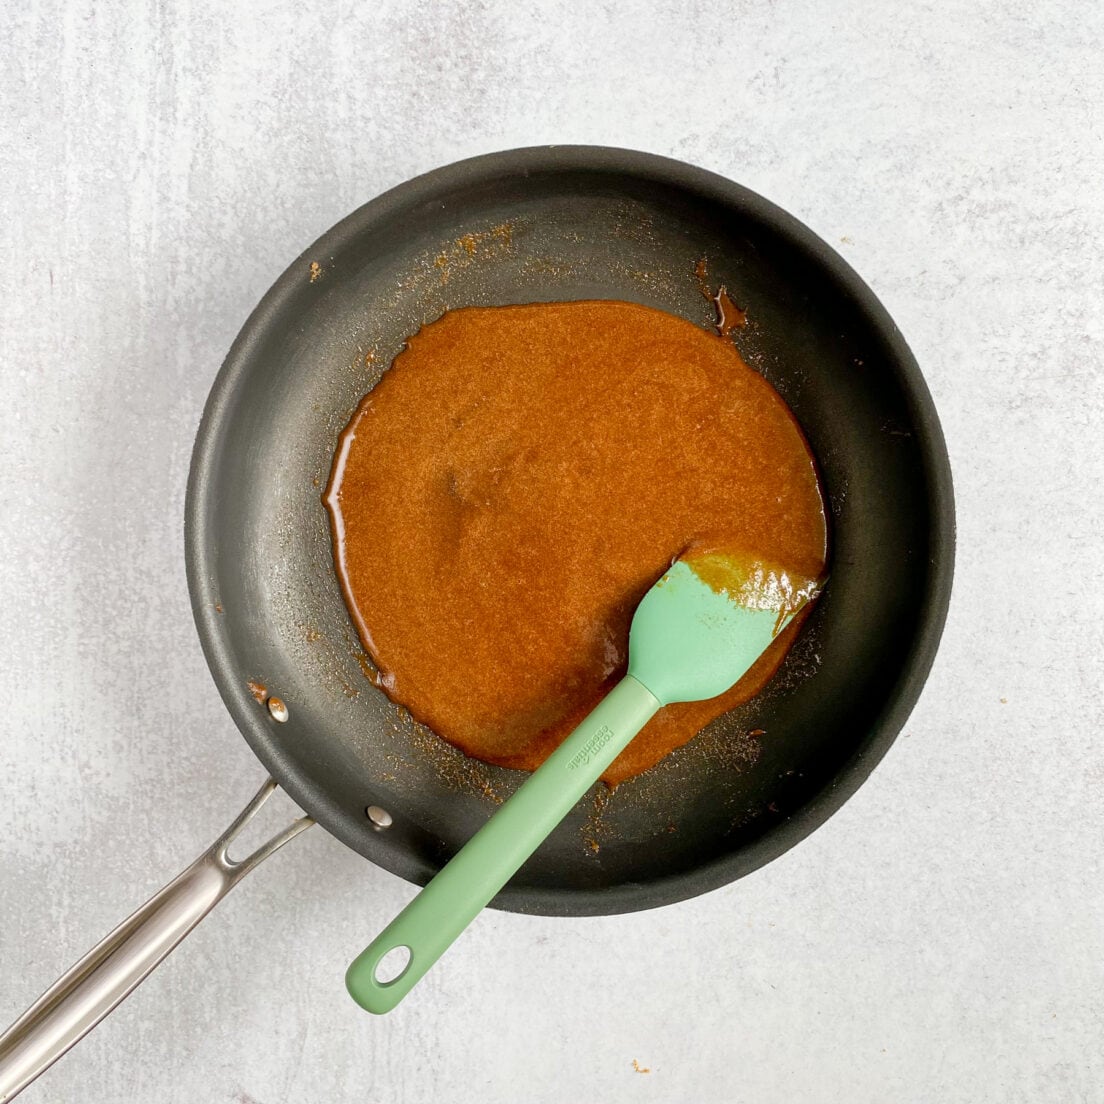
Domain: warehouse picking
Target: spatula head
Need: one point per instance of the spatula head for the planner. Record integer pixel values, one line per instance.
(710, 617)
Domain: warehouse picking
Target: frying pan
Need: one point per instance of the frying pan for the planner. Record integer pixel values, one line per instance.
(554, 223)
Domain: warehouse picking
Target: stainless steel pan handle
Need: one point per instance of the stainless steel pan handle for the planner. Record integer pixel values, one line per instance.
(108, 973)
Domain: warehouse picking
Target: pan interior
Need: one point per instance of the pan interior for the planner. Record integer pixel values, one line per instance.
(543, 226)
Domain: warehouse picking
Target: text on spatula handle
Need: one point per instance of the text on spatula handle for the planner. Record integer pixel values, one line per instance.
(601, 737)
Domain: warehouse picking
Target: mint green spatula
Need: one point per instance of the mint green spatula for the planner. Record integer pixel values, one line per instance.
(694, 634)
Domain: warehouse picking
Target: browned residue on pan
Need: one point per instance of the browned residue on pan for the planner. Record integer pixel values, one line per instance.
(701, 273)
(315, 271)
(730, 316)
(258, 690)
(468, 247)
(457, 770)
(593, 829)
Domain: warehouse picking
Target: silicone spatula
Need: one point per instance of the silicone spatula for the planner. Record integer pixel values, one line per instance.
(694, 634)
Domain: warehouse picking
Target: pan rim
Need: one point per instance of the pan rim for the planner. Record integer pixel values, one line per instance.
(547, 160)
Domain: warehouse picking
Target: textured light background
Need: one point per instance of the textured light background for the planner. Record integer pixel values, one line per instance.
(941, 939)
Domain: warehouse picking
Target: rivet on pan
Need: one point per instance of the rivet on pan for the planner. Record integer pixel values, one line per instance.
(278, 709)
(380, 818)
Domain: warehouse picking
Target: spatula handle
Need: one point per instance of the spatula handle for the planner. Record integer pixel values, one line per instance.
(445, 907)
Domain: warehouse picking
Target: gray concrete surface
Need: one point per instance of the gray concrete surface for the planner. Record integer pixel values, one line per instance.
(941, 938)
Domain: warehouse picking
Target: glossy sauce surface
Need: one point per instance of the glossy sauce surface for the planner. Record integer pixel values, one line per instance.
(518, 479)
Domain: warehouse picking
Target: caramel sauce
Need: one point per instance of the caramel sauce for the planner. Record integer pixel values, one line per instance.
(752, 583)
(519, 478)
(729, 316)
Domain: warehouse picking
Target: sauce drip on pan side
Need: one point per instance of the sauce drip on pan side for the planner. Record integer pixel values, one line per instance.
(503, 498)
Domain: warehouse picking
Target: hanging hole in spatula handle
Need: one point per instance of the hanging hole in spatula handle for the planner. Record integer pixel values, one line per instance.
(392, 965)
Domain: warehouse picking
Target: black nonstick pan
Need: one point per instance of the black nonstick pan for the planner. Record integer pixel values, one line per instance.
(529, 225)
